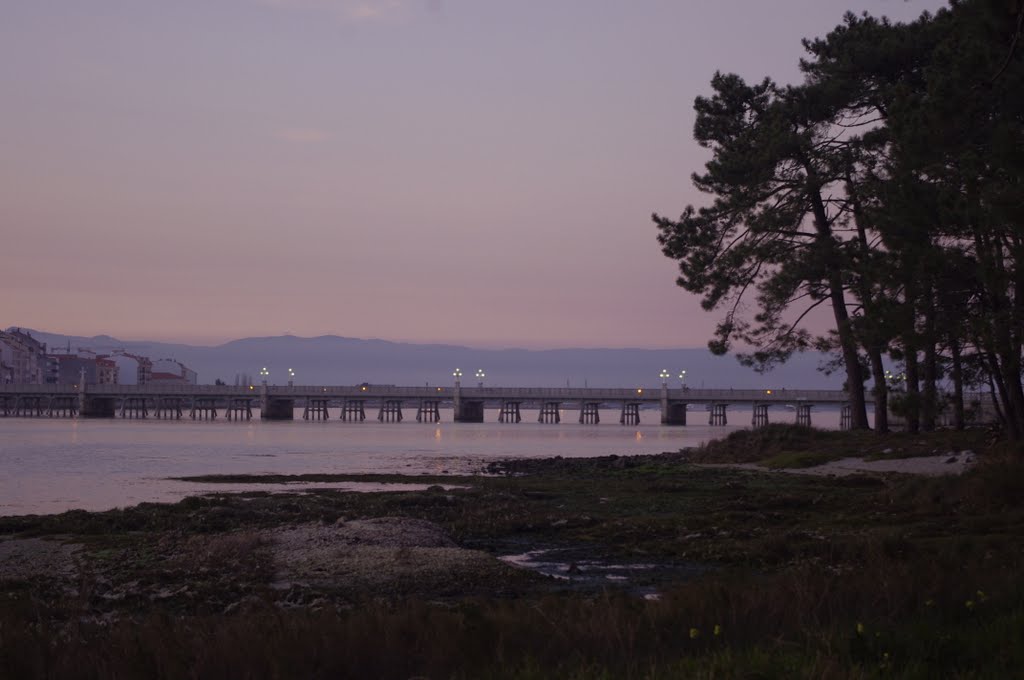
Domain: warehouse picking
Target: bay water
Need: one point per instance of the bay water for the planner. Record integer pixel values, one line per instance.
(52, 465)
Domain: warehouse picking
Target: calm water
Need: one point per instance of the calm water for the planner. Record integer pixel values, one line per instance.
(52, 465)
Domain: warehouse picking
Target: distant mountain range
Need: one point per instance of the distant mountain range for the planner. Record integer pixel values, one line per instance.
(334, 360)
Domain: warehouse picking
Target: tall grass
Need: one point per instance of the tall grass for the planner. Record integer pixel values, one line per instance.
(919, 618)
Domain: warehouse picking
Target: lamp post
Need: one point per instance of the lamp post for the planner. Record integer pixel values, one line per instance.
(264, 374)
(664, 377)
(682, 379)
(480, 377)
(457, 373)
(291, 377)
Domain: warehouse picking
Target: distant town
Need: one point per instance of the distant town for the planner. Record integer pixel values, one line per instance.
(24, 360)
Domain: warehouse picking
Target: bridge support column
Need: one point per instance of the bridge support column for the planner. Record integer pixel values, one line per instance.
(549, 412)
(168, 407)
(316, 409)
(630, 414)
(63, 407)
(352, 409)
(97, 407)
(29, 405)
(277, 409)
(238, 408)
(390, 411)
(203, 408)
(6, 405)
(134, 407)
(845, 417)
(470, 411)
(760, 417)
(589, 414)
(673, 413)
(510, 412)
(429, 411)
(803, 415)
(718, 416)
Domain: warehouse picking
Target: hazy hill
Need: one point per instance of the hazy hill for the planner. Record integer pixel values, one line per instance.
(333, 360)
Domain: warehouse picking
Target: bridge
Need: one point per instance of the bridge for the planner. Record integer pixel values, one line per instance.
(273, 402)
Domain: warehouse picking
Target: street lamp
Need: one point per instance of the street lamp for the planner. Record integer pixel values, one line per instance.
(291, 376)
(664, 377)
(457, 373)
(480, 377)
(263, 374)
(682, 379)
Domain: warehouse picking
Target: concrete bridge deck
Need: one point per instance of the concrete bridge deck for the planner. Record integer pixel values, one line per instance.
(468, 404)
(279, 402)
(526, 394)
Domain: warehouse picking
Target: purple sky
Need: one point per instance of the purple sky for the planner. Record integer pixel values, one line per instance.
(477, 172)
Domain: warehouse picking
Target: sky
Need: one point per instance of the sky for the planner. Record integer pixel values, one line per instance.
(477, 172)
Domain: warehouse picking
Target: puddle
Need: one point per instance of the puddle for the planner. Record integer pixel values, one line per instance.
(570, 567)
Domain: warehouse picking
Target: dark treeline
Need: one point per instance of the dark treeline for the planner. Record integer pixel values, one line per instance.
(887, 187)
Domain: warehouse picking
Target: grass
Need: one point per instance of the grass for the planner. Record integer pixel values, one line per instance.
(858, 577)
(784, 446)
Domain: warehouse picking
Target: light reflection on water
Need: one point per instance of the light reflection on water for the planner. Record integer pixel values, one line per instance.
(51, 465)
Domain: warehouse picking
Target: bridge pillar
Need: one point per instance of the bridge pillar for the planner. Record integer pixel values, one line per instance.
(97, 407)
(470, 411)
(134, 407)
(63, 406)
(352, 409)
(168, 407)
(238, 408)
(630, 413)
(718, 416)
(510, 411)
(390, 411)
(203, 408)
(549, 412)
(760, 417)
(316, 409)
(803, 415)
(429, 411)
(673, 413)
(277, 409)
(589, 414)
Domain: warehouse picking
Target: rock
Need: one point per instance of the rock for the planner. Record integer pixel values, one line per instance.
(951, 460)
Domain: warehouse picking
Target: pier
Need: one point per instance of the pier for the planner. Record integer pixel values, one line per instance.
(237, 403)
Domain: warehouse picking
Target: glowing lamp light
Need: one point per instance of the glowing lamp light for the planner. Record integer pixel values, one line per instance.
(457, 373)
(768, 392)
(639, 390)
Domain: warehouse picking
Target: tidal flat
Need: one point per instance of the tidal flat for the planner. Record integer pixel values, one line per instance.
(658, 566)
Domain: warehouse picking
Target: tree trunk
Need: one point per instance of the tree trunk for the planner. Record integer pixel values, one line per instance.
(913, 400)
(930, 396)
(844, 329)
(958, 383)
(880, 390)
